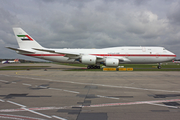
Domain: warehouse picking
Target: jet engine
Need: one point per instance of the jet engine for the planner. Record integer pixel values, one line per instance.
(111, 62)
(88, 60)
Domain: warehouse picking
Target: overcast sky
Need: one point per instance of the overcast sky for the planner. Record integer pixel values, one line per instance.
(91, 23)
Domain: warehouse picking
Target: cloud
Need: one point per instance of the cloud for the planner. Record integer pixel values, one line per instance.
(173, 14)
(92, 24)
(7, 20)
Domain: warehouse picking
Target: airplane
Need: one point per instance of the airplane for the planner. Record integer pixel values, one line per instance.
(176, 61)
(110, 57)
(8, 61)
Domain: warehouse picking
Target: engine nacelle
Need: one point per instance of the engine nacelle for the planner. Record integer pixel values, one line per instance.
(111, 62)
(88, 60)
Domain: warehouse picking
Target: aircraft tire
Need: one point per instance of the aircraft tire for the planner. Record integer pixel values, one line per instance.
(159, 67)
(93, 67)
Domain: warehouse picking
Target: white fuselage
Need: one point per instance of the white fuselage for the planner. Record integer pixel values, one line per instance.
(138, 55)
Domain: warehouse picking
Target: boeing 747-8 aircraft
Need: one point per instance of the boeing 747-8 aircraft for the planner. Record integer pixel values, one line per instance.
(110, 57)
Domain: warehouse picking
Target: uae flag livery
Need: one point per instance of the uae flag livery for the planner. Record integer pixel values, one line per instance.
(25, 38)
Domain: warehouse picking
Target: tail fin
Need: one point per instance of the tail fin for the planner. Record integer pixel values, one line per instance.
(24, 40)
(16, 60)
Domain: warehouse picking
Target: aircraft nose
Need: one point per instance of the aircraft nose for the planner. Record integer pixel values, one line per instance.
(173, 55)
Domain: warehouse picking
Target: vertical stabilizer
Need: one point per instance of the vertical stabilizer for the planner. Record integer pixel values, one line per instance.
(24, 40)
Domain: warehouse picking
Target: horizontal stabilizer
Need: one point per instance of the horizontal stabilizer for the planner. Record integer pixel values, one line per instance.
(20, 50)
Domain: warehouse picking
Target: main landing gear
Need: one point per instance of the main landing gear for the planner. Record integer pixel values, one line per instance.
(93, 67)
(159, 66)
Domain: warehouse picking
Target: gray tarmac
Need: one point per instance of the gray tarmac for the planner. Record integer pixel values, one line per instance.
(81, 95)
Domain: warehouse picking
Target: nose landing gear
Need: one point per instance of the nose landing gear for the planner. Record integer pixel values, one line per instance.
(159, 66)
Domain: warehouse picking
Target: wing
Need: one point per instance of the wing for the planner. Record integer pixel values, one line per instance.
(123, 59)
(71, 55)
(53, 51)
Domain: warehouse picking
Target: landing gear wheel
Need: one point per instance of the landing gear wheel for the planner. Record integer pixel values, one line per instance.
(93, 67)
(90, 67)
(159, 67)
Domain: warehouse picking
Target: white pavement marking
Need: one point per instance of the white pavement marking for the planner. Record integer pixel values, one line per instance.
(10, 118)
(60, 118)
(132, 103)
(112, 86)
(3, 81)
(107, 97)
(6, 75)
(97, 105)
(43, 87)
(71, 91)
(2, 100)
(64, 90)
(55, 89)
(37, 109)
(24, 107)
(37, 113)
(27, 84)
(16, 103)
(18, 117)
(163, 105)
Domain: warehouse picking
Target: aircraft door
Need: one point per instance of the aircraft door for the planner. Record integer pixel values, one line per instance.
(143, 49)
(127, 55)
(157, 55)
